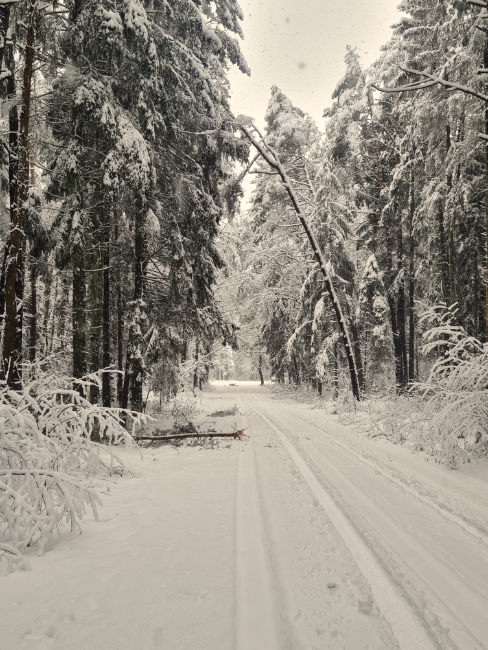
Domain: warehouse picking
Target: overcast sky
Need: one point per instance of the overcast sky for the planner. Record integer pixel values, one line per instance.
(299, 46)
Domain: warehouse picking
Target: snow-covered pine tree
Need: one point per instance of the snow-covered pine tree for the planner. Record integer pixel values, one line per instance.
(161, 144)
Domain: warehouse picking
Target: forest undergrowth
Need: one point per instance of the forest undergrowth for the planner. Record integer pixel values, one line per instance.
(445, 416)
(57, 454)
(447, 424)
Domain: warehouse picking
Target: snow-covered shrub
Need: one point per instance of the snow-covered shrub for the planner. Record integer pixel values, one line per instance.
(183, 407)
(48, 462)
(399, 418)
(456, 391)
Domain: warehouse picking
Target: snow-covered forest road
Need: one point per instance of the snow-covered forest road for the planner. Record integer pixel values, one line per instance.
(426, 565)
(305, 536)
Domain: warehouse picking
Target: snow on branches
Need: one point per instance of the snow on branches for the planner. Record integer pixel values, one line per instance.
(48, 462)
(457, 388)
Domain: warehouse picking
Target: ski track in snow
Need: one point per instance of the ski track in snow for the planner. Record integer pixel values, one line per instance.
(473, 526)
(442, 571)
(311, 580)
(297, 538)
(257, 624)
(404, 623)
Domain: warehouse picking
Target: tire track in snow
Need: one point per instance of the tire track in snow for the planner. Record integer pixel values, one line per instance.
(467, 526)
(443, 590)
(408, 629)
(257, 623)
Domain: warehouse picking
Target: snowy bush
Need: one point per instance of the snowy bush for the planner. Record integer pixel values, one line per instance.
(399, 418)
(456, 392)
(446, 416)
(48, 462)
(181, 408)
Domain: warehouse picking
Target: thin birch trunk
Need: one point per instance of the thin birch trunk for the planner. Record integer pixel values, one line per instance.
(53, 325)
(273, 161)
(411, 280)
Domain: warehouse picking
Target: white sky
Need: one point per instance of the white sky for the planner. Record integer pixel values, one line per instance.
(299, 46)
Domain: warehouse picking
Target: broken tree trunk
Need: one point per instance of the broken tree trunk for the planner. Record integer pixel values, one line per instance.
(237, 435)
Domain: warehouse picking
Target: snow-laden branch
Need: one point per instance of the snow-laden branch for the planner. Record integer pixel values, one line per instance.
(271, 157)
(432, 81)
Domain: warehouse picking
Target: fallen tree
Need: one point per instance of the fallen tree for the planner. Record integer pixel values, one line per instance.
(237, 435)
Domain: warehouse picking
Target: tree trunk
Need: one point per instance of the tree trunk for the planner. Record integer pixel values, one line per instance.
(485, 65)
(357, 352)
(125, 388)
(47, 307)
(53, 325)
(273, 161)
(335, 378)
(96, 291)
(411, 280)
(296, 369)
(33, 314)
(4, 25)
(13, 118)
(79, 311)
(195, 374)
(365, 358)
(402, 341)
(106, 361)
(120, 326)
(450, 237)
(135, 360)
(444, 260)
(14, 275)
(476, 291)
(260, 369)
(120, 344)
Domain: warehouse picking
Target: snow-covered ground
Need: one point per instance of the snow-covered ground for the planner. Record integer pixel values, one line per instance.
(306, 535)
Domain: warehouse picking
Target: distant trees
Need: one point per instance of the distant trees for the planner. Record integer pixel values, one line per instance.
(399, 196)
